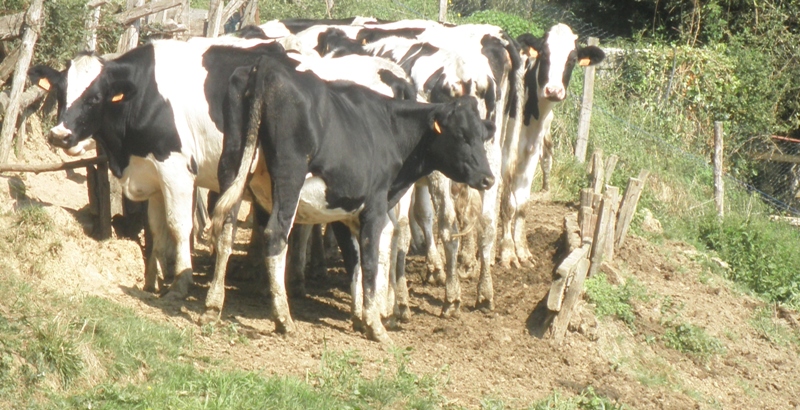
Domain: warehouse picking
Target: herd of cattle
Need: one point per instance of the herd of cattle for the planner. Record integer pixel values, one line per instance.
(356, 123)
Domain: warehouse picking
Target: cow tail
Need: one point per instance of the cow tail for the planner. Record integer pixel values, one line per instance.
(233, 194)
(518, 84)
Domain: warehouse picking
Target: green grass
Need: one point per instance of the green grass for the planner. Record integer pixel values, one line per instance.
(614, 301)
(768, 329)
(692, 340)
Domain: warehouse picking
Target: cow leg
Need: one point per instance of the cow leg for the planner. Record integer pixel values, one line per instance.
(352, 265)
(508, 253)
(330, 245)
(485, 299)
(298, 243)
(400, 244)
(178, 203)
(373, 221)
(546, 164)
(317, 267)
(448, 233)
(423, 209)
(383, 291)
(215, 298)
(417, 235)
(157, 222)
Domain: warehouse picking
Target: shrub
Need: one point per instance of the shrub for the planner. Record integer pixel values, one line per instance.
(692, 340)
(614, 301)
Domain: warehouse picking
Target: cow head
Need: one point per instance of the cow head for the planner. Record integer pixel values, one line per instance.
(552, 58)
(457, 148)
(69, 86)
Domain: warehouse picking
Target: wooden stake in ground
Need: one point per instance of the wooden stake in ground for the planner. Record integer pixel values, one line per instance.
(719, 184)
(586, 109)
(33, 22)
(130, 38)
(628, 207)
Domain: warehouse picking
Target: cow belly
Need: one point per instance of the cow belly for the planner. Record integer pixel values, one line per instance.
(312, 208)
(140, 179)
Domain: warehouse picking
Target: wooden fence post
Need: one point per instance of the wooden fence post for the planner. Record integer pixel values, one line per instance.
(719, 184)
(214, 20)
(92, 22)
(586, 109)
(130, 38)
(442, 11)
(628, 206)
(33, 21)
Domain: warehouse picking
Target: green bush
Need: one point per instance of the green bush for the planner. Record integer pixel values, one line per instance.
(692, 340)
(614, 301)
(513, 25)
(762, 254)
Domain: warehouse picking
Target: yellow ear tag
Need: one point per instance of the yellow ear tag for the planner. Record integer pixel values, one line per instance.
(584, 62)
(364, 42)
(44, 84)
(118, 97)
(436, 127)
(532, 52)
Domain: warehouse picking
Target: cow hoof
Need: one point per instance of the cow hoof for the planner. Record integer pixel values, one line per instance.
(436, 278)
(451, 310)
(391, 323)
(524, 257)
(284, 325)
(378, 334)
(151, 288)
(403, 313)
(358, 325)
(210, 316)
(485, 305)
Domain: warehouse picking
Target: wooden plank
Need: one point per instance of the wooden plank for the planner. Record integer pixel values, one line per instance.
(564, 275)
(8, 65)
(582, 142)
(598, 172)
(777, 157)
(214, 20)
(251, 16)
(601, 231)
(608, 252)
(31, 96)
(628, 207)
(719, 184)
(137, 9)
(558, 329)
(33, 23)
(11, 26)
(611, 165)
(92, 21)
(572, 232)
(230, 9)
(37, 168)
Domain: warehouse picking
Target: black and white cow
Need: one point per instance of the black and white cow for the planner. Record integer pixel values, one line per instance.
(446, 62)
(157, 112)
(339, 152)
(549, 62)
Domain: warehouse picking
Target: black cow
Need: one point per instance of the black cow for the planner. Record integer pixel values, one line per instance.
(338, 152)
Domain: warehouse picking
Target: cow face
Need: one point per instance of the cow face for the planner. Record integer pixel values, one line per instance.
(68, 85)
(457, 148)
(552, 59)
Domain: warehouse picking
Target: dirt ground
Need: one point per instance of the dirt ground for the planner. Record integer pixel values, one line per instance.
(477, 355)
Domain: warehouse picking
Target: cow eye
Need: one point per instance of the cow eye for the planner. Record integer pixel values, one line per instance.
(95, 99)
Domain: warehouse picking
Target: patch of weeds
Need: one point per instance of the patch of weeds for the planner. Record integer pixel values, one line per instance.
(692, 340)
(588, 399)
(614, 301)
(492, 403)
(32, 223)
(771, 331)
(54, 349)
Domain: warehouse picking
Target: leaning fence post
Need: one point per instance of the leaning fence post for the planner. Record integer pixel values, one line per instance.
(586, 109)
(33, 21)
(719, 184)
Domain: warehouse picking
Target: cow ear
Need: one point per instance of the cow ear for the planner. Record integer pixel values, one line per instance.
(530, 45)
(121, 91)
(44, 77)
(590, 55)
(490, 128)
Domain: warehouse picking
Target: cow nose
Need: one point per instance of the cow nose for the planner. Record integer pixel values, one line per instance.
(487, 182)
(60, 131)
(554, 93)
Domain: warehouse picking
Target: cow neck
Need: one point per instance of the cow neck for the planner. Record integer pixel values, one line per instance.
(148, 119)
(413, 136)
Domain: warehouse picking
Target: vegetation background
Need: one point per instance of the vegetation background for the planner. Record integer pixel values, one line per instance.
(674, 68)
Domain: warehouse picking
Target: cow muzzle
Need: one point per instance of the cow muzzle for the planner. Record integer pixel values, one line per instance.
(555, 93)
(61, 137)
